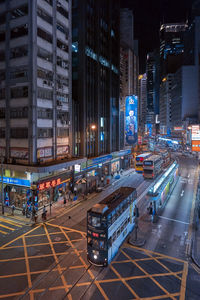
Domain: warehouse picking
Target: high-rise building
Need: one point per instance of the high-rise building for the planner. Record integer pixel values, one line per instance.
(152, 74)
(95, 55)
(127, 28)
(165, 104)
(142, 95)
(184, 95)
(171, 47)
(35, 99)
(35, 92)
(129, 65)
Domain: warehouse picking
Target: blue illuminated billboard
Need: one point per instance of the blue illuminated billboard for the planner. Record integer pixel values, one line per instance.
(131, 128)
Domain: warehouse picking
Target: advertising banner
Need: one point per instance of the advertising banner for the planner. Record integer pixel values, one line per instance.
(131, 128)
(195, 138)
(195, 133)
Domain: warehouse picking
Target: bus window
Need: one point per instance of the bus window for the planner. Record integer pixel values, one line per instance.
(96, 221)
(89, 241)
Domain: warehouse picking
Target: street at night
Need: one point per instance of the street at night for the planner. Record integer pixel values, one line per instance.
(49, 260)
(99, 149)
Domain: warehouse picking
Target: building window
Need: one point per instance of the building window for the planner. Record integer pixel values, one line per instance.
(44, 35)
(62, 132)
(62, 29)
(63, 116)
(19, 133)
(61, 97)
(19, 92)
(19, 113)
(19, 12)
(2, 75)
(19, 31)
(45, 132)
(23, 73)
(62, 46)
(49, 2)
(45, 94)
(2, 93)
(19, 51)
(2, 113)
(42, 53)
(62, 63)
(43, 15)
(44, 74)
(2, 55)
(2, 19)
(45, 113)
(61, 10)
(2, 36)
(62, 81)
(2, 133)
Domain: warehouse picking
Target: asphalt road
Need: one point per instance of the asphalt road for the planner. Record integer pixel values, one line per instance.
(49, 261)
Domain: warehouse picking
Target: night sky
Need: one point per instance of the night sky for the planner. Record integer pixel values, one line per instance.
(148, 15)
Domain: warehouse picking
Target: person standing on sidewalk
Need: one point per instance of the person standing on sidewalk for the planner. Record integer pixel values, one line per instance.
(44, 213)
(13, 209)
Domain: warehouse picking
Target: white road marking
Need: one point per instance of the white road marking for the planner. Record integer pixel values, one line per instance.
(173, 220)
(182, 193)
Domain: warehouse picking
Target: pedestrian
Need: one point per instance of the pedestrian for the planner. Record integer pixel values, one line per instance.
(13, 209)
(75, 190)
(69, 195)
(23, 209)
(65, 199)
(27, 212)
(150, 208)
(44, 213)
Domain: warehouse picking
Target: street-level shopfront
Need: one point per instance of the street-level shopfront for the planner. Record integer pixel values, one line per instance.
(16, 190)
(51, 189)
(37, 185)
(95, 172)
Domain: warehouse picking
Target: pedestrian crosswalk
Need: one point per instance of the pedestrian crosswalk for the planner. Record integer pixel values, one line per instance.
(7, 225)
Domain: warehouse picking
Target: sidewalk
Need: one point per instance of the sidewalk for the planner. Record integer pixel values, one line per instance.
(196, 231)
(58, 207)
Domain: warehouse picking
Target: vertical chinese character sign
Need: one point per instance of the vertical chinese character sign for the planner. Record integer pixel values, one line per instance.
(131, 127)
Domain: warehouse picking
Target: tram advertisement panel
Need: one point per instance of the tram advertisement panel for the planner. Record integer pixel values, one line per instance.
(131, 129)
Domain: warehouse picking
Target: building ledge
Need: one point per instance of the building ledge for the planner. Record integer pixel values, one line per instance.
(46, 167)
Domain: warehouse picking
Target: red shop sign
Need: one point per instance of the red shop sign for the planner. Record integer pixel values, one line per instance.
(48, 184)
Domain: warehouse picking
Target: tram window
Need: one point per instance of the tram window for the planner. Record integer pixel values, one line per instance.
(96, 221)
(101, 244)
(109, 220)
(95, 243)
(118, 232)
(114, 237)
(114, 217)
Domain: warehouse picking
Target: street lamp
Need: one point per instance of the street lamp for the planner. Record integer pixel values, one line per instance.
(89, 128)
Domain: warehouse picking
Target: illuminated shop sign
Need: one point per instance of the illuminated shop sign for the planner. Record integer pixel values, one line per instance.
(131, 129)
(48, 184)
(16, 181)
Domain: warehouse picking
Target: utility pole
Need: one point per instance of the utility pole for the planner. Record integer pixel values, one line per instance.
(2, 191)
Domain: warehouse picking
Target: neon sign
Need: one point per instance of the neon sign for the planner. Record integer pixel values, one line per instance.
(48, 184)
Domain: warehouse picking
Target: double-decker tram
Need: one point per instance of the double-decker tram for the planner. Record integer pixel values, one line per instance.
(139, 161)
(108, 224)
(152, 166)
